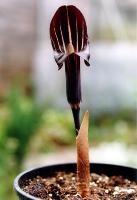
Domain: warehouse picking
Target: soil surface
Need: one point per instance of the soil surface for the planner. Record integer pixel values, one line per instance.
(62, 186)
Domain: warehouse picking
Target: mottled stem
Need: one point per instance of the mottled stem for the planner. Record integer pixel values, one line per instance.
(76, 116)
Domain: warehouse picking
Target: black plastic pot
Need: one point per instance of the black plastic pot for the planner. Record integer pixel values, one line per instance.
(108, 169)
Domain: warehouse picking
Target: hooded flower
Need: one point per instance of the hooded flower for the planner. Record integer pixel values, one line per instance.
(68, 33)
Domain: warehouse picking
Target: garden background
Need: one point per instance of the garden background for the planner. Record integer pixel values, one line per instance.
(36, 124)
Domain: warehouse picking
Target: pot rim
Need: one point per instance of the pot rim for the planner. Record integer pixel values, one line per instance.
(18, 189)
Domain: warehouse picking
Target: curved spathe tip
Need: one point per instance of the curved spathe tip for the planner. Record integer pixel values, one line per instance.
(68, 33)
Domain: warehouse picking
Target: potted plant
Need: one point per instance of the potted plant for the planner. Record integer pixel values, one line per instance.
(81, 181)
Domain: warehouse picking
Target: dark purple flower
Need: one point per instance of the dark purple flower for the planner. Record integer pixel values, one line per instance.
(68, 33)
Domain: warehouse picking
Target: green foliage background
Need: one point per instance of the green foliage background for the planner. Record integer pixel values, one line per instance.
(26, 127)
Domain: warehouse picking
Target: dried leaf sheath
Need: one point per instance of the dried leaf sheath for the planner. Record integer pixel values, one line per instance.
(83, 166)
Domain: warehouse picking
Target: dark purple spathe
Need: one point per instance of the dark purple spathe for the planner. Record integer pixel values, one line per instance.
(68, 33)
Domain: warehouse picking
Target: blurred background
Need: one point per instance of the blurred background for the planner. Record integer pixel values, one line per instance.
(36, 124)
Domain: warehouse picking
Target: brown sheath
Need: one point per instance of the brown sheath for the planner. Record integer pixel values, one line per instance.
(83, 165)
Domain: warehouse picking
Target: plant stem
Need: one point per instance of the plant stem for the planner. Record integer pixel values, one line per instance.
(76, 116)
